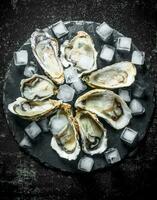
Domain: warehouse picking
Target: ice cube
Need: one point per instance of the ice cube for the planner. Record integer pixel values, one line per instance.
(33, 130)
(129, 135)
(30, 70)
(44, 125)
(104, 31)
(112, 156)
(20, 57)
(86, 164)
(136, 107)
(25, 142)
(56, 123)
(107, 53)
(138, 90)
(124, 44)
(124, 94)
(66, 93)
(138, 57)
(59, 29)
(79, 86)
(70, 74)
(85, 62)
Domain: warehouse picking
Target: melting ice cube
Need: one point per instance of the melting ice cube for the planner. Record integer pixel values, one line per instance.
(129, 135)
(124, 94)
(71, 75)
(25, 142)
(104, 31)
(107, 53)
(59, 29)
(20, 57)
(33, 130)
(44, 125)
(79, 86)
(138, 57)
(138, 90)
(56, 123)
(136, 107)
(30, 70)
(124, 44)
(66, 93)
(112, 155)
(85, 164)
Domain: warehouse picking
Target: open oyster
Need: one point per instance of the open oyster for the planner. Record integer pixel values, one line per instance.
(33, 110)
(106, 104)
(65, 137)
(80, 53)
(93, 134)
(37, 88)
(45, 49)
(118, 75)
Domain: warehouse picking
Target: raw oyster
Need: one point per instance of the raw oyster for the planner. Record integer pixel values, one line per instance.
(33, 110)
(45, 49)
(106, 104)
(118, 75)
(80, 53)
(65, 137)
(37, 88)
(93, 134)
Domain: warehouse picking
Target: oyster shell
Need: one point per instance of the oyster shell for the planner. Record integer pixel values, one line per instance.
(65, 137)
(33, 110)
(45, 49)
(93, 134)
(118, 75)
(37, 88)
(80, 53)
(106, 104)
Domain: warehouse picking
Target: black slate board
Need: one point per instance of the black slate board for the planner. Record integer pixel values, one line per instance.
(41, 149)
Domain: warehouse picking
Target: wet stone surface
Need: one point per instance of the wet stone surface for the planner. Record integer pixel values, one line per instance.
(23, 178)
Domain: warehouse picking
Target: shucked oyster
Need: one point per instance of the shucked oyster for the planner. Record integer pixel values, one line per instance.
(65, 137)
(80, 53)
(106, 104)
(33, 110)
(37, 88)
(45, 49)
(93, 134)
(118, 75)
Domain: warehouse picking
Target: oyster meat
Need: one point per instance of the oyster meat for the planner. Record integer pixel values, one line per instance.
(65, 137)
(37, 88)
(45, 49)
(93, 134)
(118, 75)
(107, 105)
(33, 110)
(80, 53)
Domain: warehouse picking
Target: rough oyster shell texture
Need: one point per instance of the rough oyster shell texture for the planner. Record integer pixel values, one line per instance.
(45, 49)
(92, 132)
(37, 88)
(107, 105)
(80, 53)
(65, 140)
(118, 75)
(31, 110)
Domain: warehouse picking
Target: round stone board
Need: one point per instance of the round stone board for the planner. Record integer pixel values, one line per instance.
(41, 149)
